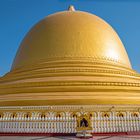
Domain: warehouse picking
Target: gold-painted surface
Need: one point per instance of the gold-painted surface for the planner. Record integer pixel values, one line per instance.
(66, 59)
(76, 100)
(70, 34)
(87, 83)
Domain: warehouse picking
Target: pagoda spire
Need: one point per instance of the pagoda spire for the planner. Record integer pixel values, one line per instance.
(71, 8)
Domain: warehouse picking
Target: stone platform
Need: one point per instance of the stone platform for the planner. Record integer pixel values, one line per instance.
(137, 137)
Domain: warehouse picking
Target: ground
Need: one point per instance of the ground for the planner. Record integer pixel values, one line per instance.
(69, 138)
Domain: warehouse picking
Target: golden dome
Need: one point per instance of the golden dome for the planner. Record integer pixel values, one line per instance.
(71, 57)
(71, 34)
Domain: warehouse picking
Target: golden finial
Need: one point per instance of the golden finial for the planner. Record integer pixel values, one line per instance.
(71, 8)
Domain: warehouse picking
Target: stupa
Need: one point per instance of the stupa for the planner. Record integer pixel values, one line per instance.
(71, 74)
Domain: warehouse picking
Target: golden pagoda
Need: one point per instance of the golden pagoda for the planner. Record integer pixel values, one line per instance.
(71, 73)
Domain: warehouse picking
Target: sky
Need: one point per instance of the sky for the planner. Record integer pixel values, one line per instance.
(18, 16)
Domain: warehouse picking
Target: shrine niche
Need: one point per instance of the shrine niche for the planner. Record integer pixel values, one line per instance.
(83, 123)
(84, 126)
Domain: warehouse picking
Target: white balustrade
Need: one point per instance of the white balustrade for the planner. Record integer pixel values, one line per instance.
(67, 123)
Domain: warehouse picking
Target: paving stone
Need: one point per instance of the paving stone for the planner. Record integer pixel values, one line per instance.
(69, 138)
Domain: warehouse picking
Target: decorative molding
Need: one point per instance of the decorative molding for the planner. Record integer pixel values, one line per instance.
(54, 61)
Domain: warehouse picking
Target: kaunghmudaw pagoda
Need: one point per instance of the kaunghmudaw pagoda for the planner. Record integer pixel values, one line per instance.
(71, 75)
